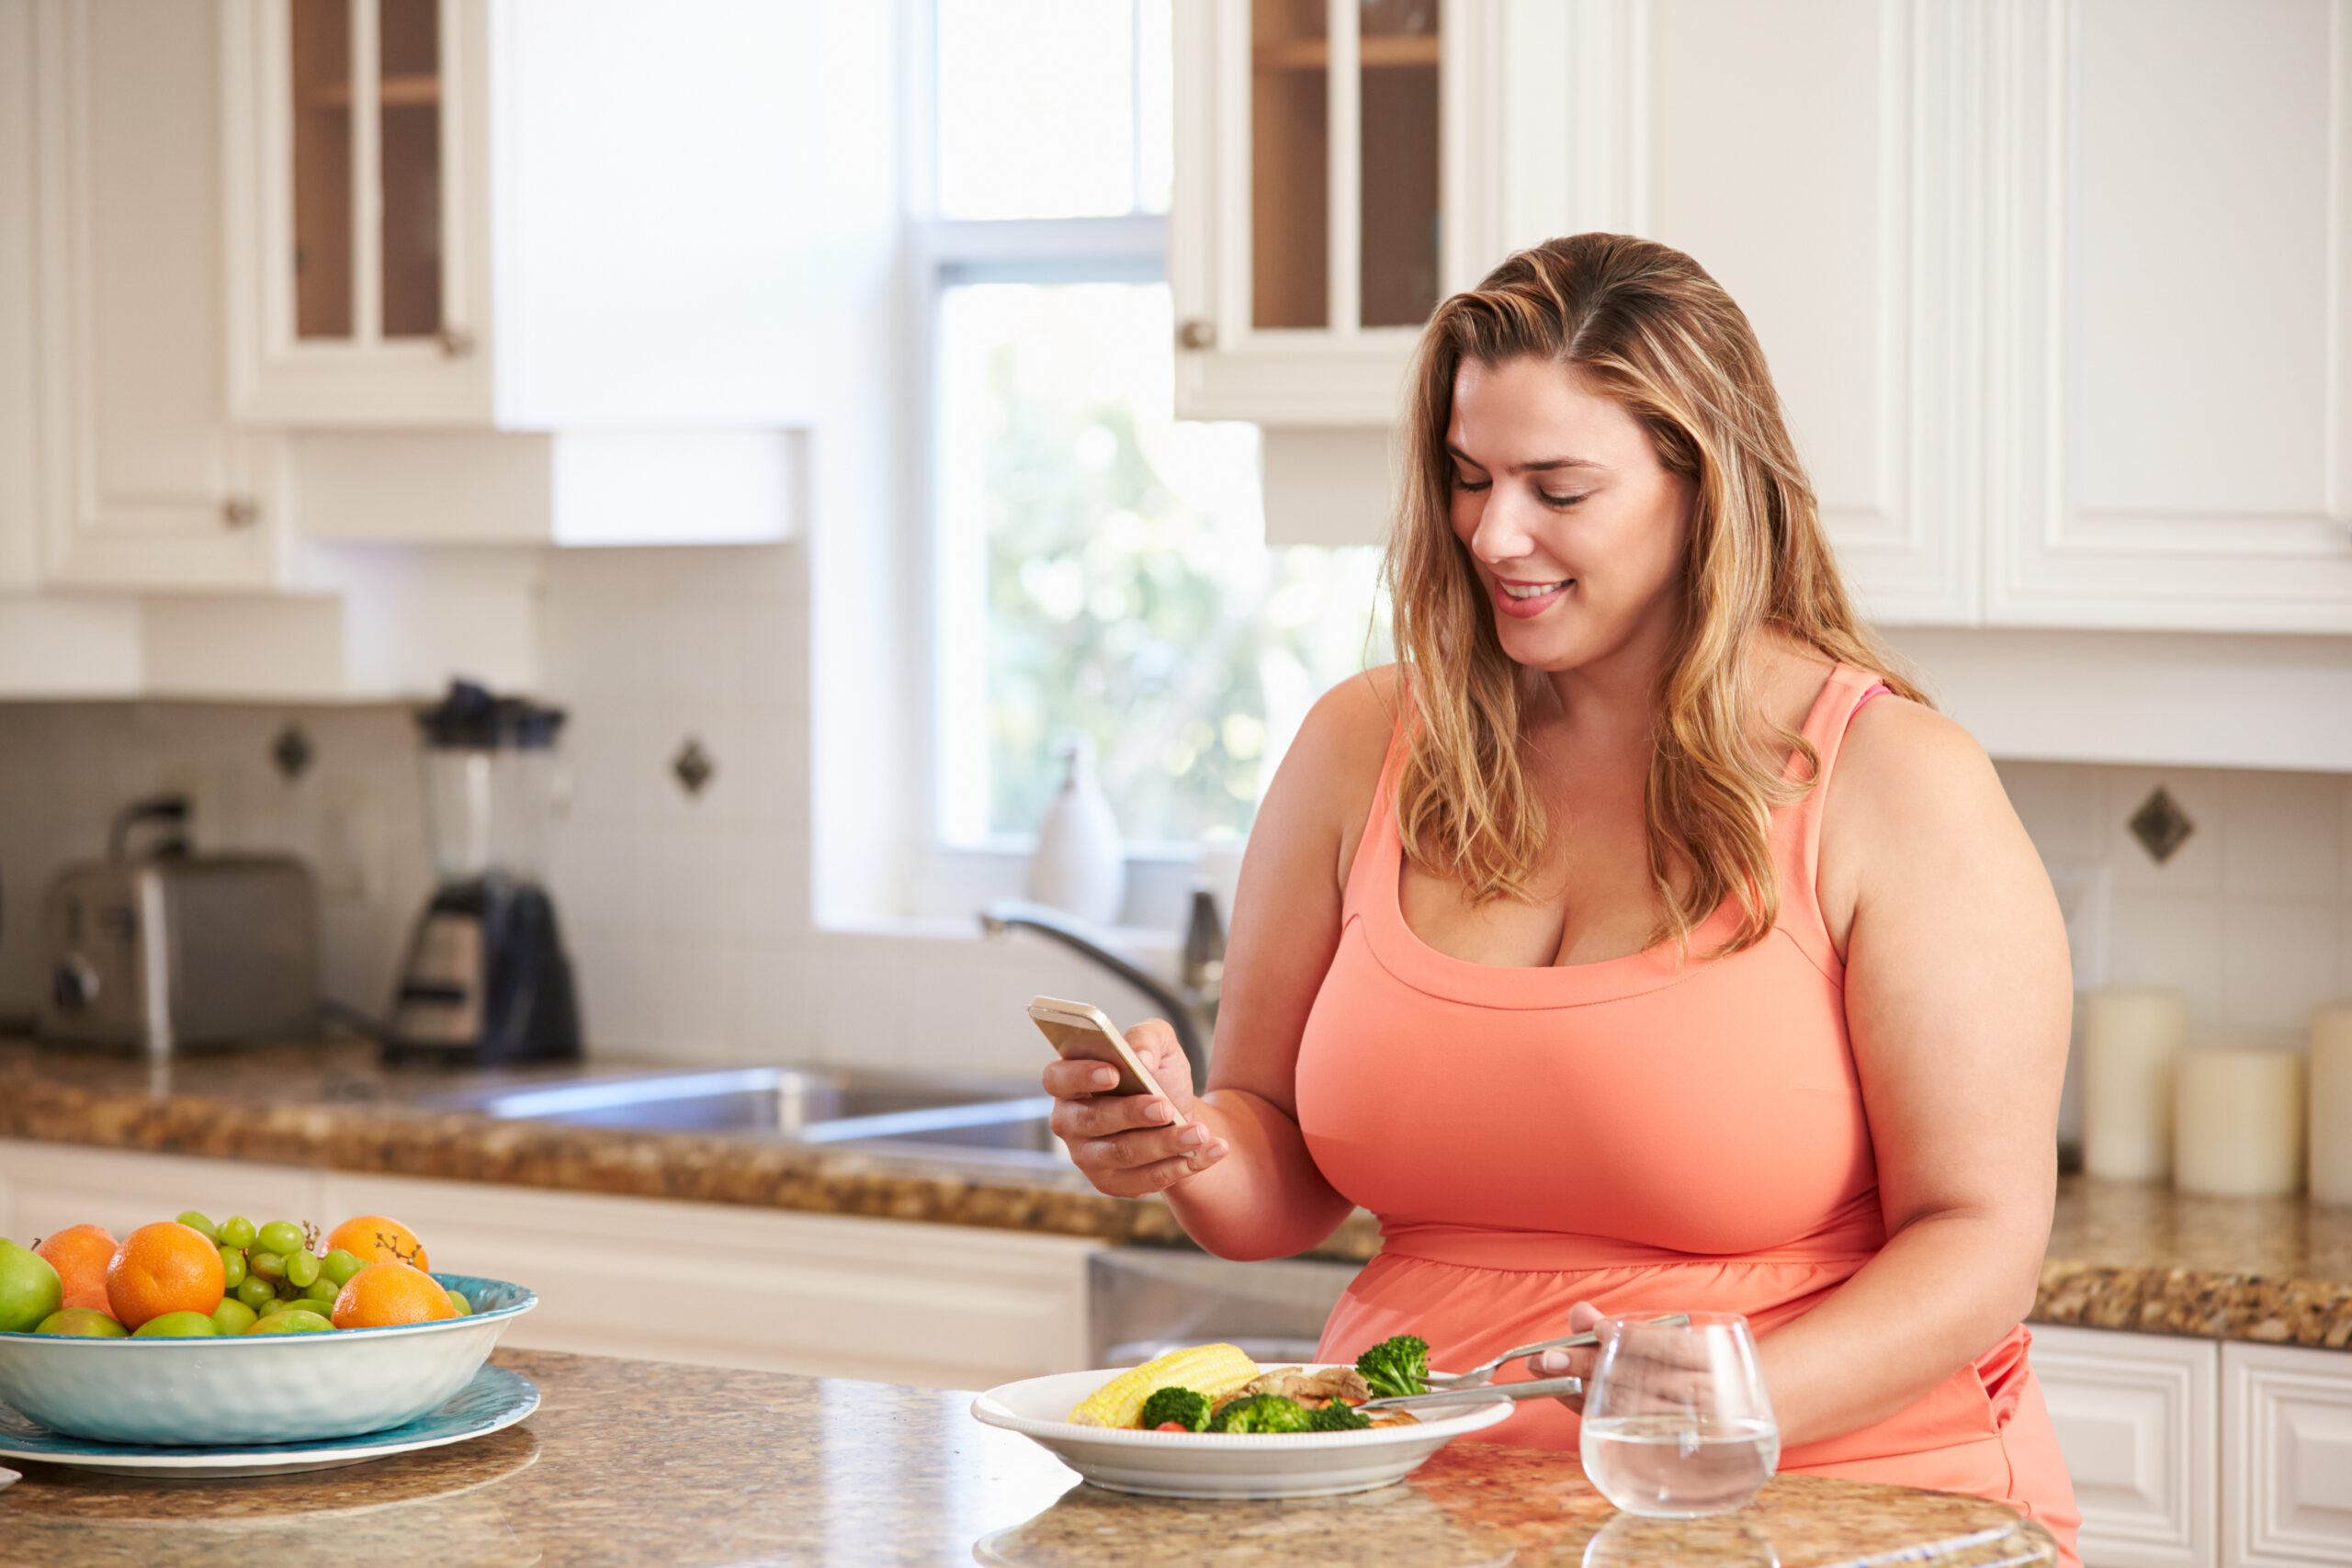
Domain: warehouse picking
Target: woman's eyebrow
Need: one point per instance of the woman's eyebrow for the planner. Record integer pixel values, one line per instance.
(1544, 465)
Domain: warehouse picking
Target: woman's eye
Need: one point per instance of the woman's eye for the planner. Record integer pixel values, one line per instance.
(1559, 502)
(1462, 483)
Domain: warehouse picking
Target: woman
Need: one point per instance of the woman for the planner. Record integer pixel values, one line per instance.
(1640, 940)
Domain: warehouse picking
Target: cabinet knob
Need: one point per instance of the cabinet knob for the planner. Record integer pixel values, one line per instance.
(1196, 333)
(239, 511)
(455, 342)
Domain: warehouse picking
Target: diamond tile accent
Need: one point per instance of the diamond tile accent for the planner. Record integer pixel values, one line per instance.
(292, 752)
(693, 766)
(2160, 825)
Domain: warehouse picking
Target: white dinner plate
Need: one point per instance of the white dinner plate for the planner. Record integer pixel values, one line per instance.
(1213, 1464)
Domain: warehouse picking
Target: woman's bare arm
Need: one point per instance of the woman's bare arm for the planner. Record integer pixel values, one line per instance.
(1255, 1192)
(1958, 994)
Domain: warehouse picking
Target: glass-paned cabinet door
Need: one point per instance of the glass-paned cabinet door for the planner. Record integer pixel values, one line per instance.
(1307, 232)
(356, 299)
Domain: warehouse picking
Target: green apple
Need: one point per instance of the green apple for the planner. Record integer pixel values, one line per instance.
(177, 1325)
(87, 1323)
(297, 1322)
(29, 1288)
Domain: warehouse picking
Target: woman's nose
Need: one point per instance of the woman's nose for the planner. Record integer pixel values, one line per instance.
(1502, 534)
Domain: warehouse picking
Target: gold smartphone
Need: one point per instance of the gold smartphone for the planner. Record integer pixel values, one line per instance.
(1081, 1033)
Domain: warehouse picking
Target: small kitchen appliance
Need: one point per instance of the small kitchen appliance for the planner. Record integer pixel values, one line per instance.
(161, 947)
(486, 981)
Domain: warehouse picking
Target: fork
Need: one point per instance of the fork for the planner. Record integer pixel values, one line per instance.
(1480, 1376)
(1476, 1394)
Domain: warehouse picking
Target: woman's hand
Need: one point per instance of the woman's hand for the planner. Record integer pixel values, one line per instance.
(1582, 1315)
(1130, 1145)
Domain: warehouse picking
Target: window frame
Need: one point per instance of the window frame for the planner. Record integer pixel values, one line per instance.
(949, 878)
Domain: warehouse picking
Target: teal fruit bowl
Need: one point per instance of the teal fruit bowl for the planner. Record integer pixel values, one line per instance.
(261, 1388)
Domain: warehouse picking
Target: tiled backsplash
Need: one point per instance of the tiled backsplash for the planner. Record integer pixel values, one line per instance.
(688, 912)
(2251, 915)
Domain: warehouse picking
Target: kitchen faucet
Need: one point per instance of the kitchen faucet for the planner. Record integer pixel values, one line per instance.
(1189, 1005)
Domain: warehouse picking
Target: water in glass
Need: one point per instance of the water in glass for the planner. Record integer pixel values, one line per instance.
(1677, 1420)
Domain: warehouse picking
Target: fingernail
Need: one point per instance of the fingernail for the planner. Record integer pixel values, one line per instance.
(1216, 1150)
(1157, 1110)
(1106, 1078)
(1191, 1137)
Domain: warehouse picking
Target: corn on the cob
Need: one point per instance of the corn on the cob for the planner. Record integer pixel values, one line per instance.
(1210, 1371)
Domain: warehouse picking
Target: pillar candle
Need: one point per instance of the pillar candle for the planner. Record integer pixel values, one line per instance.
(2130, 1038)
(2240, 1123)
(2330, 1125)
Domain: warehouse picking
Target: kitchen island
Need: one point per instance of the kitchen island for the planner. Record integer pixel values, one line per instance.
(640, 1464)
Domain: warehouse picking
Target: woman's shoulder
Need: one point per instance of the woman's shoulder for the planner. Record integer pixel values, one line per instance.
(1345, 737)
(1322, 792)
(1910, 787)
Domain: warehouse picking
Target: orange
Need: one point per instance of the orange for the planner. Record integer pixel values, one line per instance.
(165, 1266)
(80, 1254)
(377, 1238)
(385, 1293)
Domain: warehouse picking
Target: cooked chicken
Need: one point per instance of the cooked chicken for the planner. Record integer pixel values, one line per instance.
(1311, 1389)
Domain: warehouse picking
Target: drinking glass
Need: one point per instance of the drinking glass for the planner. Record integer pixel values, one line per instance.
(1677, 1420)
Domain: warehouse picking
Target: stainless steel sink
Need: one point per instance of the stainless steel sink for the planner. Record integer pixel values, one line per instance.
(871, 1112)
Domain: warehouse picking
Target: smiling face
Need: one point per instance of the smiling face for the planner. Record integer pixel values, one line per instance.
(1576, 530)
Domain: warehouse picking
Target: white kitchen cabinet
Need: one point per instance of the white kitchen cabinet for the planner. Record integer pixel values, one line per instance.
(142, 482)
(1330, 184)
(542, 214)
(2167, 281)
(942, 1306)
(2137, 1419)
(2286, 1457)
(2055, 291)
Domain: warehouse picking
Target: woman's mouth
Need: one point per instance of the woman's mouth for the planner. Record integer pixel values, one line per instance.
(1526, 599)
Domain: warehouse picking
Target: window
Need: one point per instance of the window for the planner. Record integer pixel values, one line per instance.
(1101, 566)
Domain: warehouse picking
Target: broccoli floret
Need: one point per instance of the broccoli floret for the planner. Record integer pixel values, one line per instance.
(1264, 1413)
(1337, 1416)
(1398, 1366)
(1181, 1405)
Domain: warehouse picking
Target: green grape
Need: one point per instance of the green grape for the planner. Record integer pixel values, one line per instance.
(340, 1266)
(465, 1308)
(232, 1316)
(257, 1292)
(237, 1231)
(322, 1290)
(289, 1303)
(301, 1268)
(265, 1265)
(281, 1235)
(201, 1225)
(232, 1268)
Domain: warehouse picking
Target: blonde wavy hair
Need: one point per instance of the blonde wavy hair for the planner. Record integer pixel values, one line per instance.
(1644, 325)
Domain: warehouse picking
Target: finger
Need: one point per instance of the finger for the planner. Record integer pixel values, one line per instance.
(1106, 1115)
(1155, 1041)
(1130, 1150)
(1563, 1363)
(1582, 1315)
(1068, 1080)
(1141, 1181)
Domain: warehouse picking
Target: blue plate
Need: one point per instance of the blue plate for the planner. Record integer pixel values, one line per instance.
(495, 1399)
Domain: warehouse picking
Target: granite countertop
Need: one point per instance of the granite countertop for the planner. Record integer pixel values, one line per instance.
(633, 1463)
(333, 1105)
(2121, 1254)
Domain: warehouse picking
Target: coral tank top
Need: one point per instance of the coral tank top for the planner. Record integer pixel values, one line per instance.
(1652, 1133)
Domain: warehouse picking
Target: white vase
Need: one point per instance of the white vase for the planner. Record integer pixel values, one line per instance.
(1081, 864)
